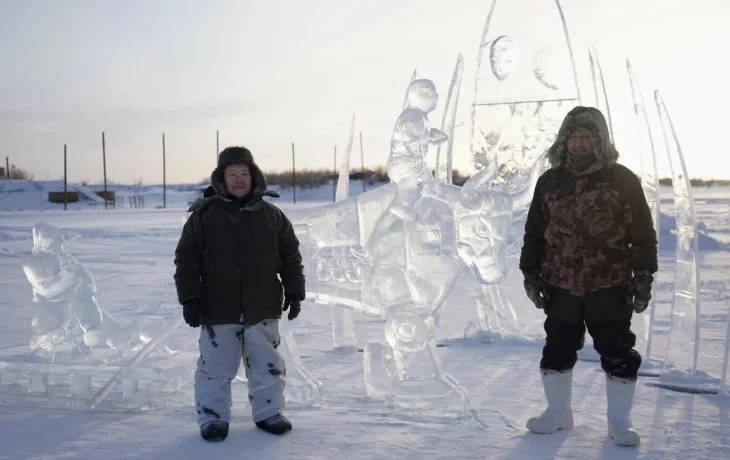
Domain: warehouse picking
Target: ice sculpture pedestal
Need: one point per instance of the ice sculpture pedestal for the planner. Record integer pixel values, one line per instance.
(438, 392)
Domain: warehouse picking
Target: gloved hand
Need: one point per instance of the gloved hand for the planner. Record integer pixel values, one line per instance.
(640, 290)
(296, 306)
(191, 312)
(536, 289)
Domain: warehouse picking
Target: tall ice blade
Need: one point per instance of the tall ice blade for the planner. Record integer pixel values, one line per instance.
(448, 123)
(684, 334)
(650, 184)
(599, 88)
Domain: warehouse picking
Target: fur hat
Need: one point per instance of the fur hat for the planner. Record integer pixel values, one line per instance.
(237, 156)
(591, 120)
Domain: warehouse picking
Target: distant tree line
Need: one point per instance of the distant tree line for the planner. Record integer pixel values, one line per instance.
(16, 173)
(698, 182)
(310, 178)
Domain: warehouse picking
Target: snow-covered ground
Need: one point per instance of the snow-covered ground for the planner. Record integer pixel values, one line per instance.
(130, 253)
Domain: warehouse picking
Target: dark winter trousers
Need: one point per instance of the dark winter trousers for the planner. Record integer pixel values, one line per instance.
(221, 348)
(607, 316)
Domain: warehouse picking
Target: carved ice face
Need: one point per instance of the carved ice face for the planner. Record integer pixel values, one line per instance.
(503, 55)
(421, 94)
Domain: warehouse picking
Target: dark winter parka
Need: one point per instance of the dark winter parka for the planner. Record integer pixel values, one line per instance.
(588, 229)
(232, 252)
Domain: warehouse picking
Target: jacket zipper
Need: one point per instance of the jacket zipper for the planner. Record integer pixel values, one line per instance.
(242, 317)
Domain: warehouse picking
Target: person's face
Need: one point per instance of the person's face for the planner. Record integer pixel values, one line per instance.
(579, 143)
(238, 180)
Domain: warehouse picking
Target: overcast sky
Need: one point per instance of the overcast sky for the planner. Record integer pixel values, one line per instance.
(269, 73)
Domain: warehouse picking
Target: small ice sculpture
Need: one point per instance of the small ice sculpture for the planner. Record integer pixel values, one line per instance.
(684, 332)
(66, 315)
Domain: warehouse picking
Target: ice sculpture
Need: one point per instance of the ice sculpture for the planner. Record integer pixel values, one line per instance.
(66, 316)
(448, 125)
(599, 89)
(650, 185)
(86, 360)
(684, 334)
(525, 85)
(343, 323)
(406, 244)
(515, 113)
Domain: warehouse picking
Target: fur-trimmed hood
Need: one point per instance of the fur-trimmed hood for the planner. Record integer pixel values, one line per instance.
(591, 120)
(239, 155)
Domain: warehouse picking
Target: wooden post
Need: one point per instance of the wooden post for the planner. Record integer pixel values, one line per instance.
(293, 175)
(65, 181)
(7, 167)
(103, 154)
(164, 179)
(334, 181)
(362, 163)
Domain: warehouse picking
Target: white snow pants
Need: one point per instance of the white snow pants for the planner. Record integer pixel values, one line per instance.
(221, 349)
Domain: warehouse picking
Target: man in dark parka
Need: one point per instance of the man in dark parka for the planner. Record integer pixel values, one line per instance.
(238, 266)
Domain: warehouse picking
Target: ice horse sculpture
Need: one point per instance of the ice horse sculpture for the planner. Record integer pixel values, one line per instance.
(401, 248)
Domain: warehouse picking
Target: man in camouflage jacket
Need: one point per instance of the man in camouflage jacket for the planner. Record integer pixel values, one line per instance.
(589, 255)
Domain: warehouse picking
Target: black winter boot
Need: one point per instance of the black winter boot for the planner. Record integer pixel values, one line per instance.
(216, 430)
(276, 424)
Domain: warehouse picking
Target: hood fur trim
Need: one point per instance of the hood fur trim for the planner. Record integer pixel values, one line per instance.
(593, 121)
(239, 155)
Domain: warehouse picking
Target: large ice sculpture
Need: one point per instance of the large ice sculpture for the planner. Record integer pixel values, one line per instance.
(66, 316)
(684, 333)
(406, 244)
(650, 185)
(525, 85)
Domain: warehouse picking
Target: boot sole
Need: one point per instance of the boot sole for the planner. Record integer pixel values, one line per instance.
(276, 432)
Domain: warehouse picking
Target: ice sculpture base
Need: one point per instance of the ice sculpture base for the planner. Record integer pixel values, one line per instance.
(682, 382)
(74, 386)
(441, 393)
(301, 386)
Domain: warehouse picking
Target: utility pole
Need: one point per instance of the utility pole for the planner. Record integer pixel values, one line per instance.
(164, 179)
(103, 154)
(65, 181)
(293, 174)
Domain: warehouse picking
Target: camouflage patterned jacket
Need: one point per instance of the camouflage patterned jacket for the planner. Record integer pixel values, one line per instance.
(588, 230)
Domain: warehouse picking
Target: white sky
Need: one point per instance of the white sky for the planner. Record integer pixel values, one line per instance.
(269, 73)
